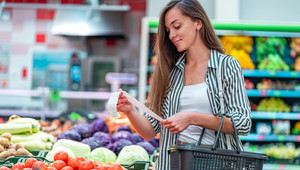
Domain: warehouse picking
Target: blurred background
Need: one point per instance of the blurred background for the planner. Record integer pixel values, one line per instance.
(61, 59)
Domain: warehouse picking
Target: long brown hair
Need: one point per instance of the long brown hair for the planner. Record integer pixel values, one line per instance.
(167, 52)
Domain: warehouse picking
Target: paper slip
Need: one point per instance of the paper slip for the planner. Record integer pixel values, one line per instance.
(112, 105)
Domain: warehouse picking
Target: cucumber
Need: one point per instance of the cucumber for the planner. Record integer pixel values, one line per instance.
(24, 120)
(23, 138)
(15, 128)
(34, 145)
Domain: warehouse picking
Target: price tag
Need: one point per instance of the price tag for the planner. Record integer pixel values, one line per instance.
(281, 138)
(261, 137)
(277, 93)
(298, 138)
(294, 74)
(281, 166)
(272, 115)
(263, 93)
(272, 73)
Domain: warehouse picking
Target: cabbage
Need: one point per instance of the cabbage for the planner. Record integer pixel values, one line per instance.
(119, 145)
(124, 128)
(99, 125)
(84, 129)
(70, 134)
(154, 142)
(50, 154)
(147, 146)
(78, 148)
(103, 138)
(102, 155)
(136, 138)
(92, 142)
(131, 154)
(121, 135)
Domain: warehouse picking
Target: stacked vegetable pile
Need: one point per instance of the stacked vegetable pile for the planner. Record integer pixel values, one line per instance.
(270, 51)
(96, 135)
(240, 48)
(26, 131)
(8, 149)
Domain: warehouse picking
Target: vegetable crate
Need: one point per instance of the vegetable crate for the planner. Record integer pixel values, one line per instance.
(9, 162)
(138, 165)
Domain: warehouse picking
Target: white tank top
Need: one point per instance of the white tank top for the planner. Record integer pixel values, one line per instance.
(195, 98)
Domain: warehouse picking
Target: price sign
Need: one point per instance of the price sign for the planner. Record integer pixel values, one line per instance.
(121, 78)
(277, 93)
(281, 138)
(263, 93)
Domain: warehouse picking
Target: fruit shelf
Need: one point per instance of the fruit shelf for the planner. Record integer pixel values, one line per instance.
(275, 115)
(268, 73)
(273, 93)
(270, 138)
(281, 167)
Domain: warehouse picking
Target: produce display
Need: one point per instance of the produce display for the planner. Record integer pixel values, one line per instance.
(273, 105)
(240, 48)
(9, 149)
(96, 134)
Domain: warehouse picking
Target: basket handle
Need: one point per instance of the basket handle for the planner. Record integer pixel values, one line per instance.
(222, 113)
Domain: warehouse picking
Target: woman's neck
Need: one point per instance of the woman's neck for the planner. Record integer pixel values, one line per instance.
(197, 55)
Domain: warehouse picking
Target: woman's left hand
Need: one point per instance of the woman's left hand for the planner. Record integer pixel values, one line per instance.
(178, 122)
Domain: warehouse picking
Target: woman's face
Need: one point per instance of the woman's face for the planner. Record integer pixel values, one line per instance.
(182, 30)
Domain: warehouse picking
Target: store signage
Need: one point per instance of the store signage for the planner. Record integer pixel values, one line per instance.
(121, 78)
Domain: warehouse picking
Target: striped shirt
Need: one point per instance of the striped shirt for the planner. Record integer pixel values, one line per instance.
(235, 100)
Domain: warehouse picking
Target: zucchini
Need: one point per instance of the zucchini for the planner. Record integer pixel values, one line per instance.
(24, 138)
(15, 128)
(34, 145)
(24, 120)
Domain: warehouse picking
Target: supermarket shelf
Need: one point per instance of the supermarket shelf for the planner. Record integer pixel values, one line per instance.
(267, 73)
(270, 138)
(30, 113)
(273, 93)
(275, 115)
(63, 94)
(280, 167)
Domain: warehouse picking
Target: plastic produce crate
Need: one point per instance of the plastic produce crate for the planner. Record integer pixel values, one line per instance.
(9, 162)
(138, 165)
(39, 153)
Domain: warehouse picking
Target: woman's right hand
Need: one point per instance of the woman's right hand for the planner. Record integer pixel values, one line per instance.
(124, 105)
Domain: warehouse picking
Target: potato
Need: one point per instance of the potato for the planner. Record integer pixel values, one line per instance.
(18, 146)
(23, 151)
(6, 135)
(4, 155)
(1, 148)
(4, 142)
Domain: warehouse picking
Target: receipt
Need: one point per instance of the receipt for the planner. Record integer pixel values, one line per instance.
(112, 105)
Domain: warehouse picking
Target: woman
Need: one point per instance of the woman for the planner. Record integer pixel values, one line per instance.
(184, 84)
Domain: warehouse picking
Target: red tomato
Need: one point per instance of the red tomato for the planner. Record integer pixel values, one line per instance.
(18, 166)
(79, 159)
(39, 165)
(4, 168)
(29, 162)
(86, 165)
(115, 167)
(73, 163)
(58, 164)
(61, 155)
(51, 168)
(67, 168)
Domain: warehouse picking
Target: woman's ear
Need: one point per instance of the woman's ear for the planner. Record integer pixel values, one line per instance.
(198, 24)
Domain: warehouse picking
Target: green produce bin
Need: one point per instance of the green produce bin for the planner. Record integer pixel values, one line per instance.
(9, 162)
